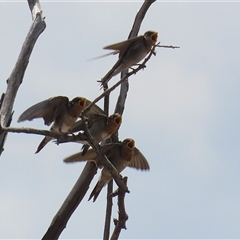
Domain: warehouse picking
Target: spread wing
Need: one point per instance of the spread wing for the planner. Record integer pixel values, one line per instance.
(138, 161)
(124, 45)
(90, 155)
(48, 109)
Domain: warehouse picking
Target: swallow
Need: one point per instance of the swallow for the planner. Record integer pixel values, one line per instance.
(121, 155)
(100, 127)
(130, 52)
(60, 111)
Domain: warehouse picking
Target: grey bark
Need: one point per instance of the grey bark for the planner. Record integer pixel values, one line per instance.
(16, 77)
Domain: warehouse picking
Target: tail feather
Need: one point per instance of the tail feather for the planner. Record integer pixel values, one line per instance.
(85, 148)
(112, 72)
(95, 192)
(107, 77)
(43, 143)
(74, 158)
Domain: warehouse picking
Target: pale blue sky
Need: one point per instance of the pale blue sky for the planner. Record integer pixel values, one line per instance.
(182, 111)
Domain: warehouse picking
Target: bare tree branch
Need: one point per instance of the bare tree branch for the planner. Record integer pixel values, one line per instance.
(79, 190)
(120, 223)
(58, 226)
(108, 215)
(30, 131)
(110, 184)
(134, 32)
(72, 201)
(15, 79)
(60, 137)
(35, 7)
(74, 198)
(119, 108)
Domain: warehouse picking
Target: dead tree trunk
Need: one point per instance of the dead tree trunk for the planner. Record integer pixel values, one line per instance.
(16, 77)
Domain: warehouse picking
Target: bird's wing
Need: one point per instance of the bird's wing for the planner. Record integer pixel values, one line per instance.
(122, 46)
(138, 161)
(90, 155)
(125, 46)
(104, 55)
(77, 157)
(48, 110)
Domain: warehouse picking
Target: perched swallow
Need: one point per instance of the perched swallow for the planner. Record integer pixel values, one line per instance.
(120, 155)
(100, 127)
(59, 110)
(131, 52)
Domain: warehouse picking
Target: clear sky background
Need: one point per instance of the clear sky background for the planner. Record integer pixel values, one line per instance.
(183, 111)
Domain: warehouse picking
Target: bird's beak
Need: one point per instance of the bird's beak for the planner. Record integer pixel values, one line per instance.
(131, 144)
(83, 102)
(118, 119)
(154, 36)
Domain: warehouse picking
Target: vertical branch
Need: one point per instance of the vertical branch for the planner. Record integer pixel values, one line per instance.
(15, 79)
(134, 32)
(108, 211)
(120, 108)
(110, 184)
(122, 218)
(120, 223)
(35, 7)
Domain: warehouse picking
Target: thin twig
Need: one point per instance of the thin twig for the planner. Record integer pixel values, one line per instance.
(167, 46)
